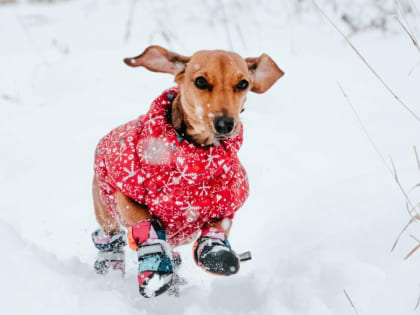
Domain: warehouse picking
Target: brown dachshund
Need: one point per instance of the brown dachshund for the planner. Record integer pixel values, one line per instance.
(212, 90)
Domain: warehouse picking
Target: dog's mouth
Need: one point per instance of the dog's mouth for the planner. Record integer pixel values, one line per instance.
(220, 137)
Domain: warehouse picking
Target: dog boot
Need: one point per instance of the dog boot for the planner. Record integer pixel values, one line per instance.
(212, 252)
(111, 251)
(156, 268)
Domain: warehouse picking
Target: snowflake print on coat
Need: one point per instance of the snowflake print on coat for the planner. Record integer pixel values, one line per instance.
(182, 184)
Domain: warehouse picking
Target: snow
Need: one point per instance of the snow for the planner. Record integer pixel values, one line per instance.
(323, 210)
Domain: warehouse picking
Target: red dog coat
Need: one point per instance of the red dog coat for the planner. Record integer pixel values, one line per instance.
(182, 184)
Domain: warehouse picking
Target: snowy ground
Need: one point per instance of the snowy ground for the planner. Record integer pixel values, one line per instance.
(323, 211)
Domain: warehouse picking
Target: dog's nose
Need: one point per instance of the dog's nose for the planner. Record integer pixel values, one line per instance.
(223, 124)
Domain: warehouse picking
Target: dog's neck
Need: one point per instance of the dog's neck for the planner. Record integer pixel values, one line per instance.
(176, 116)
(179, 121)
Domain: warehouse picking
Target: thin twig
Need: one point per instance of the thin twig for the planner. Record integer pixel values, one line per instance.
(393, 171)
(414, 249)
(412, 209)
(415, 238)
(413, 39)
(412, 252)
(364, 129)
(399, 6)
(417, 157)
(418, 303)
(415, 7)
(399, 184)
(402, 232)
(414, 67)
(367, 64)
(351, 302)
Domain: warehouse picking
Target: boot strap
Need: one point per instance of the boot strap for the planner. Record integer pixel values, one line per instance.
(158, 247)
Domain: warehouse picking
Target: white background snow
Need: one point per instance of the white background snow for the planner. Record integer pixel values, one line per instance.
(323, 210)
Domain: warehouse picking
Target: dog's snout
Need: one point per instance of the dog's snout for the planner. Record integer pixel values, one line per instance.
(223, 124)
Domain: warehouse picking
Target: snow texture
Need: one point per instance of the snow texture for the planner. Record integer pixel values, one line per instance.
(323, 210)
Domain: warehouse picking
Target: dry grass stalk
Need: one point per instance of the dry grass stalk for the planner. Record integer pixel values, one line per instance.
(365, 131)
(351, 302)
(404, 105)
(414, 68)
(402, 232)
(392, 171)
(404, 16)
(418, 303)
(411, 35)
(414, 249)
(417, 157)
(415, 7)
(399, 184)
(414, 238)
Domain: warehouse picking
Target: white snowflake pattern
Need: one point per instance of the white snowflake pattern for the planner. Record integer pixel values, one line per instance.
(184, 175)
(211, 159)
(203, 189)
(119, 156)
(166, 188)
(130, 172)
(191, 212)
(230, 145)
(145, 156)
(190, 207)
(151, 122)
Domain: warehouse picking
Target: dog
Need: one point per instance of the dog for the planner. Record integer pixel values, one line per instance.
(172, 176)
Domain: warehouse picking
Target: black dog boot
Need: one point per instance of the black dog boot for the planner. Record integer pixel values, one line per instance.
(111, 251)
(212, 252)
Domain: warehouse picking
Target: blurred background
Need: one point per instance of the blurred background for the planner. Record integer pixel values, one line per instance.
(325, 207)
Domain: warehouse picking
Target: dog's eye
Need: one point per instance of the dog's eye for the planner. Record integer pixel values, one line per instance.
(242, 85)
(202, 83)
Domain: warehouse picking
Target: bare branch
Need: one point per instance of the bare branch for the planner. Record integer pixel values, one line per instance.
(417, 157)
(399, 184)
(415, 7)
(393, 171)
(402, 232)
(415, 238)
(374, 146)
(412, 252)
(418, 303)
(412, 36)
(401, 9)
(351, 302)
(367, 64)
(414, 67)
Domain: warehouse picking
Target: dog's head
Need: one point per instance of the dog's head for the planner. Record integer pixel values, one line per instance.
(213, 87)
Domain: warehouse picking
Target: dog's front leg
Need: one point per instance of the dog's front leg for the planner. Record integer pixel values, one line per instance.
(212, 250)
(223, 224)
(130, 211)
(147, 236)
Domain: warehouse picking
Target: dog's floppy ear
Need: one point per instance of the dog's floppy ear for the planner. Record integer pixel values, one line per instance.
(158, 59)
(264, 73)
